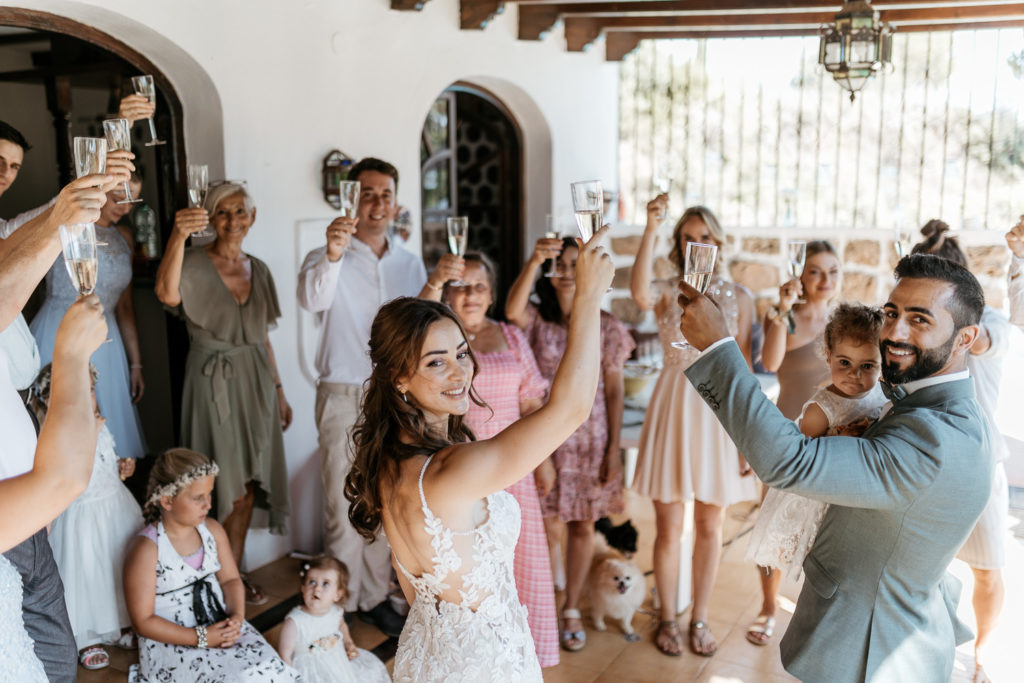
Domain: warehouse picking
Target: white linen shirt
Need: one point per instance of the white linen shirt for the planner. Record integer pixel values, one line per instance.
(346, 295)
(1015, 290)
(9, 226)
(18, 445)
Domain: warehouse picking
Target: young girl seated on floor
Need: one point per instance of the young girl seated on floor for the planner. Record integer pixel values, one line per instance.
(89, 541)
(788, 523)
(185, 596)
(315, 638)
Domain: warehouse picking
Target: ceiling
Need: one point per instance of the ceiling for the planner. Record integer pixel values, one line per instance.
(624, 23)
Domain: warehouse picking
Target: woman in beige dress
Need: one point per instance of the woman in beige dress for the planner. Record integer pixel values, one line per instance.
(685, 453)
(793, 350)
(233, 407)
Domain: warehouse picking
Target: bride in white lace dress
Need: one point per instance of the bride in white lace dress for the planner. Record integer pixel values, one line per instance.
(438, 494)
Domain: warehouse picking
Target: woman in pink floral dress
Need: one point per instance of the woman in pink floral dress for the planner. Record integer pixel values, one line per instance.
(588, 466)
(512, 386)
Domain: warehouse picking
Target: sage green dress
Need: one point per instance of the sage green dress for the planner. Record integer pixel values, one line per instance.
(229, 406)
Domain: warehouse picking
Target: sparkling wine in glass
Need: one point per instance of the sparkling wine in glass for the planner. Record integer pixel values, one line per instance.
(458, 235)
(552, 233)
(588, 202)
(119, 136)
(78, 241)
(349, 193)
(698, 267)
(796, 256)
(144, 86)
(198, 184)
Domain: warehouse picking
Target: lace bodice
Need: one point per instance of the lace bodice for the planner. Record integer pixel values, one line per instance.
(720, 290)
(466, 622)
(842, 411)
(18, 660)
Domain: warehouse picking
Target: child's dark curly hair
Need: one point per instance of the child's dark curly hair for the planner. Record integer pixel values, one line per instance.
(853, 322)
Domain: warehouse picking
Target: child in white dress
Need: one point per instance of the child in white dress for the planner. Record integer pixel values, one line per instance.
(185, 595)
(315, 638)
(89, 541)
(788, 523)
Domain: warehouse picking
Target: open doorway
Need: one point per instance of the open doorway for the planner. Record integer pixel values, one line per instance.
(60, 79)
(471, 165)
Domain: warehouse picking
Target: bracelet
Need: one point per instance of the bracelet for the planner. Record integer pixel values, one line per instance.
(434, 287)
(201, 637)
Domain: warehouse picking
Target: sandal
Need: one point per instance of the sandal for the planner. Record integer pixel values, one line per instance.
(573, 641)
(668, 639)
(760, 632)
(93, 658)
(701, 641)
(254, 595)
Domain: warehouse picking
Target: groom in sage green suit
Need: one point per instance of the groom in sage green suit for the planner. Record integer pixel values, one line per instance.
(877, 603)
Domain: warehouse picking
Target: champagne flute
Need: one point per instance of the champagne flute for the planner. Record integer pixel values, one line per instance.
(901, 241)
(119, 136)
(198, 184)
(90, 158)
(796, 256)
(458, 234)
(78, 241)
(698, 267)
(144, 86)
(349, 195)
(588, 202)
(552, 233)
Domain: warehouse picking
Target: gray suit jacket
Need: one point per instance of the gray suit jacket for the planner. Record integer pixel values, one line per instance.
(877, 603)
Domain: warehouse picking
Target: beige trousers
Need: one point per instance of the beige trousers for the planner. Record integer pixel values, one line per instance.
(369, 564)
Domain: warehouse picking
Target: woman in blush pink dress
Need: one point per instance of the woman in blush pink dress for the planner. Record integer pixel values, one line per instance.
(512, 386)
(588, 483)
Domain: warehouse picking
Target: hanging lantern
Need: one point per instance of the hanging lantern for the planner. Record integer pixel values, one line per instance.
(855, 46)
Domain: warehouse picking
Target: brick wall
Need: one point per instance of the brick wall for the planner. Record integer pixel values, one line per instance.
(753, 257)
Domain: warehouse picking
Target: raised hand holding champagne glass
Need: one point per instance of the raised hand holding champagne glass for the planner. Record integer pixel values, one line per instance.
(458, 236)
(698, 267)
(144, 86)
(198, 184)
(119, 137)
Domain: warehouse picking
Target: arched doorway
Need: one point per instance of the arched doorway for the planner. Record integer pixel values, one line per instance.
(471, 165)
(60, 78)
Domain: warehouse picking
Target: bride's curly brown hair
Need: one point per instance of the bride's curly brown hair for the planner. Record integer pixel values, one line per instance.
(396, 342)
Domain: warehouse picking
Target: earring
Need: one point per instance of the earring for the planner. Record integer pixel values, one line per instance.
(402, 392)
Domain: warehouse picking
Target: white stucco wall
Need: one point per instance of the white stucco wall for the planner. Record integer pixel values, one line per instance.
(294, 79)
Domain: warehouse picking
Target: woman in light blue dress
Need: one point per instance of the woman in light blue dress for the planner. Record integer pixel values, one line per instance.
(118, 362)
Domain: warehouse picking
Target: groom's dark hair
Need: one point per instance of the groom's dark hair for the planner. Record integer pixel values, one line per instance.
(967, 301)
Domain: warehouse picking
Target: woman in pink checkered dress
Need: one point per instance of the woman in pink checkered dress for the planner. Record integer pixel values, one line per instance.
(512, 386)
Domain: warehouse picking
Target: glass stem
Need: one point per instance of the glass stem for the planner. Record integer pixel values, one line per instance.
(152, 130)
(127, 192)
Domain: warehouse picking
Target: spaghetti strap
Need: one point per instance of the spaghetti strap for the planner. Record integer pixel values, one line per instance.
(423, 498)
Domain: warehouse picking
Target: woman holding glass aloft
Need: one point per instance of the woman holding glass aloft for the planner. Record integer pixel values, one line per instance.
(120, 362)
(588, 466)
(685, 454)
(794, 336)
(233, 405)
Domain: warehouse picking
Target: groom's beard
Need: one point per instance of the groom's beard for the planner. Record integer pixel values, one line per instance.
(926, 362)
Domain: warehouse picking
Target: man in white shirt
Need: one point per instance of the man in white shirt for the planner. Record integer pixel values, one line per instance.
(344, 283)
(1015, 276)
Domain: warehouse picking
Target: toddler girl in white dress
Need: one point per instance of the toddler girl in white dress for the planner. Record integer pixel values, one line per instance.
(89, 542)
(788, 523)
(315, 638)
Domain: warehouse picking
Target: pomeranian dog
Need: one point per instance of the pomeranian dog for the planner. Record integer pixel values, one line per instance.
(616, 587)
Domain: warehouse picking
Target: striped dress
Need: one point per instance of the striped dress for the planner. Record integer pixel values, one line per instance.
(505, 378)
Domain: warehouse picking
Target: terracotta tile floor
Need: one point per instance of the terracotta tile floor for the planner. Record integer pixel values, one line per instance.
(608, 658)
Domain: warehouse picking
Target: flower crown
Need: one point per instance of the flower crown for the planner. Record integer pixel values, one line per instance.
(182, 482)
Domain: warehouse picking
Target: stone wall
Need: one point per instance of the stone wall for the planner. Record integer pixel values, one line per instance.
(754, 257)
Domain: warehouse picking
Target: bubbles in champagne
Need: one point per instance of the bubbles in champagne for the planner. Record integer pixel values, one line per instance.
(588, 223)
(698, 281)
(83, 274)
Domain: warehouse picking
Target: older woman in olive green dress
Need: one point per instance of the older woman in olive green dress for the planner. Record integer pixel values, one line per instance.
(233, 407)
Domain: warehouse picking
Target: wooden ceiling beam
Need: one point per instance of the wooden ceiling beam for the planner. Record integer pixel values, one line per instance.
(408, 5)
(476, 14)
(588, 28)
(618, 44)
